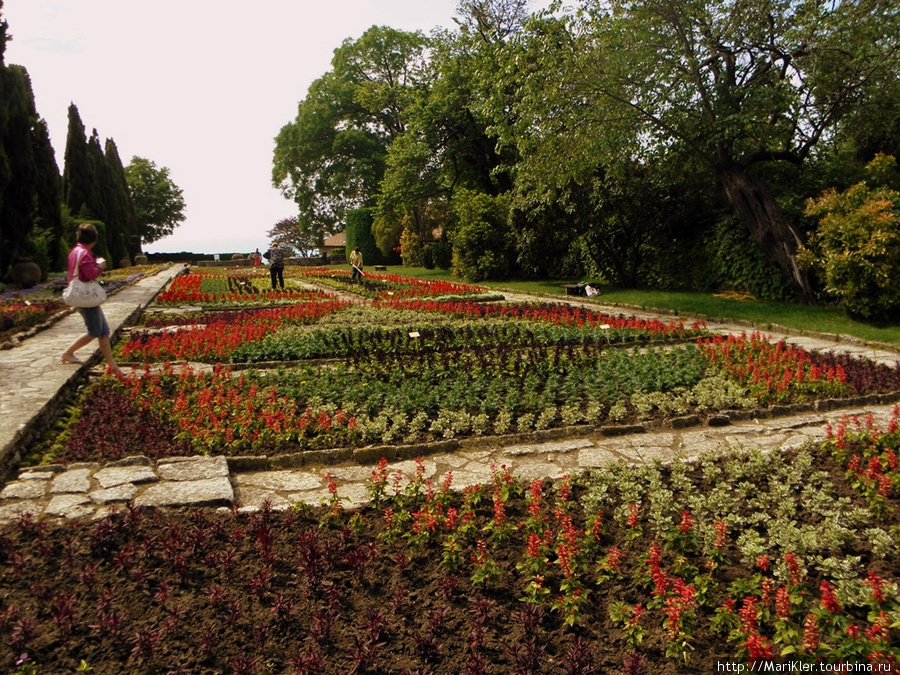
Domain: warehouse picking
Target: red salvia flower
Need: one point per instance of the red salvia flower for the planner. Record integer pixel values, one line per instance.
(783, 602)
(810, 634)
(829, 600)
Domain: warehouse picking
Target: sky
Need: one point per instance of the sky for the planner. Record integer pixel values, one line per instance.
(197, 86)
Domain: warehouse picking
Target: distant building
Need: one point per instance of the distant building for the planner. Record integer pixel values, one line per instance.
(335, 247)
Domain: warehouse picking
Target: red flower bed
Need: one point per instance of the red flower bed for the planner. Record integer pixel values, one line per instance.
(557, 314)
(221, 336)
(187, 289)
(778, 372)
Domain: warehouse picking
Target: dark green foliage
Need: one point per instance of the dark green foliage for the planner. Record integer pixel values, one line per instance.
(100, 200)
(120, 208)
(359, 233)
(438, 254)
(18, 172)
(48, 217)
(732, 261)
(483, 243)
(76, 176)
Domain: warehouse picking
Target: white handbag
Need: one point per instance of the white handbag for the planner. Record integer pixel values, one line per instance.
(83, 293)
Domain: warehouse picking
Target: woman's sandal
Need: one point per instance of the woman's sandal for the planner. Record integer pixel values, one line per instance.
(71, 359)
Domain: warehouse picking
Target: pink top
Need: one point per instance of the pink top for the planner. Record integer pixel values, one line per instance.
(88, 269)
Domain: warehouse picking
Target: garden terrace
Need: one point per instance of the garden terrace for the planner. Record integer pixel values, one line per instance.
(479, 372)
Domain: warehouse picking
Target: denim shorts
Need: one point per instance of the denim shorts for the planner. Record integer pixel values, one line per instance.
(95, 321)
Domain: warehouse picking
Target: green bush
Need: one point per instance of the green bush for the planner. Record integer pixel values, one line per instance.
(359, 233)
(856, 248)
(428, 257)
(732, 260)
(439, 254)
(483, 246)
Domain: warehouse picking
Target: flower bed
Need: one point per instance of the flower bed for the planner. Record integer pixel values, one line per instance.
(377, 285)
(391, 397)
(221, 333)
(17, 316)
(226, 289)
(655, 569)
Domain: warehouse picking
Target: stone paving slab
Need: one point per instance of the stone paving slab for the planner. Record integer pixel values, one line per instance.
(207, 492)
(118, 475)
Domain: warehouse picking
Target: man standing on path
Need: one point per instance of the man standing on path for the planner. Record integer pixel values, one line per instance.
(275, 256)
(356, 262)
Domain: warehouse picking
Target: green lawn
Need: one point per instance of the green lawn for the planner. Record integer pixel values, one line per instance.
(762, 313)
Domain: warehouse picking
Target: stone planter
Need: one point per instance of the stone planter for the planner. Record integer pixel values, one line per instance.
(140, 259)
(237, 256)
(125, 262)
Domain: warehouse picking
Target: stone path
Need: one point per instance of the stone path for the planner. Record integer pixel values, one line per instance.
(31, 378)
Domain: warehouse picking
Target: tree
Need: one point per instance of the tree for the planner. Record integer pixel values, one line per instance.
(120, 207)
(446, 146)
(158, 202)
(77, 183)
(48, 214)
(288, 234)
(733, 84)
(330, 158)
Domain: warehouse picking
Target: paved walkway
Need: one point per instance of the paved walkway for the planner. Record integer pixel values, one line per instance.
(31, 375)
(31, 378)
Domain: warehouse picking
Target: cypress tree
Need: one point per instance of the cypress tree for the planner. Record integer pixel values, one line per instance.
(121, 203)
(18, 173)
(76, 183)
(49, 196)
(5, 168)
(95, 193)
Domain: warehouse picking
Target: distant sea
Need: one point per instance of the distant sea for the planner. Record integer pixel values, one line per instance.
(210, 246)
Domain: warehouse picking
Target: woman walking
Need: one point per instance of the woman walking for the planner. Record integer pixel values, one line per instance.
(83, 263)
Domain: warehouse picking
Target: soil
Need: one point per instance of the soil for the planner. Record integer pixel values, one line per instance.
(207, 591)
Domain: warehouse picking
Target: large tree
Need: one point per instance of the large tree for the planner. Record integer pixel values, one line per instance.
(158, 202)
(330, 158)
(735, 84)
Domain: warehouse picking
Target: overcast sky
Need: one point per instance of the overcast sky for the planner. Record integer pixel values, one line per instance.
(198, 86)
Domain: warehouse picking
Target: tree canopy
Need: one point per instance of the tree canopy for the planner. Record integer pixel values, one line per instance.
(331, 157)
(731, 84)
(158, 201)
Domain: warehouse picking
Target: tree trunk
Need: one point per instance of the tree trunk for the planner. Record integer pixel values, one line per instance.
(776, 238)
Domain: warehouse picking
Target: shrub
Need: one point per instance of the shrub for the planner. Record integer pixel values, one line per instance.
(856, 246)
(439, 254)
(410, 248)
(732, 260)
(482, 242)
(359, 233)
